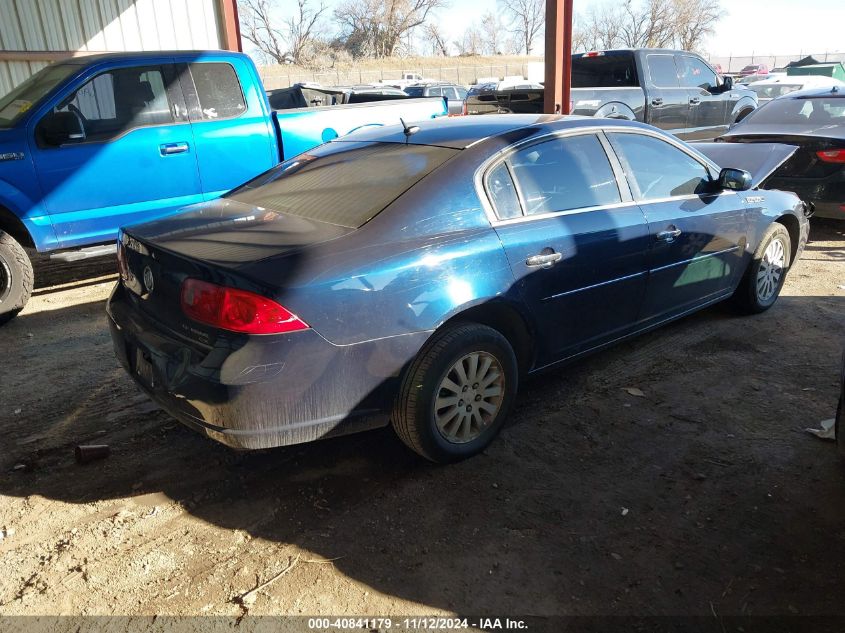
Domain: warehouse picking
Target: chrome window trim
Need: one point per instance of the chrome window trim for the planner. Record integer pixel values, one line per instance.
(481, 172)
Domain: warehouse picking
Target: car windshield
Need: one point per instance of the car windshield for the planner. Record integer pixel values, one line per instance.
(14, 104)
(771, 91)
(342, 183)
(816, 111)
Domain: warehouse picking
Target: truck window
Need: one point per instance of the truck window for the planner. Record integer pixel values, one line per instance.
(218, 90)
(658, 169)
(662, 70)
(564, 174)
(21, 99)
(119, 100)
(615, 70)
(696, 74)
(325, 184)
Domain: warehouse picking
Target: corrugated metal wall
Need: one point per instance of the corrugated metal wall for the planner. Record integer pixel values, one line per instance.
(101, 25)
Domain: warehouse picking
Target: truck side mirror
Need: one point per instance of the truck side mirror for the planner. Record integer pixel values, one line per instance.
(734, 179)
(59, 128)
(728, 83)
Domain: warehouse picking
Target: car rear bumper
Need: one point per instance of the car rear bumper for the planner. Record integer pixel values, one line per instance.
(260, 391)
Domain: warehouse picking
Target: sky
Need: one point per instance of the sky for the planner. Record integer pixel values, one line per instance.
(766, 27)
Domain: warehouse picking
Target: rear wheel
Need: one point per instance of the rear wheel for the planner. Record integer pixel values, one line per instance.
(766, 274)
(15, 277)
(456, 394)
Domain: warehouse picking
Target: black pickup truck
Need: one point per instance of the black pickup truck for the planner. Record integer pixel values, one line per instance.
(674, 90)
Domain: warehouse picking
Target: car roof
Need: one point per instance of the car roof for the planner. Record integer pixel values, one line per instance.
(461, 132)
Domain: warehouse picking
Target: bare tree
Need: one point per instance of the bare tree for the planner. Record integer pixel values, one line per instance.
(650, 24)
(471, 42)
(492, 32)
(286, 44)
(696, 20)
(375, 28)
(436, 39)
(527, 18)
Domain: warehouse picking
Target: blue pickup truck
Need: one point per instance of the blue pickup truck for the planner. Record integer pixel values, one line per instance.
(95, 143)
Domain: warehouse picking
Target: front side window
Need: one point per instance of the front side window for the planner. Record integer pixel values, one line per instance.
(564, 174)
(435, 92)
(657, 169)
(662, 70)
(218, 90)
(116, 101)
(696, 74)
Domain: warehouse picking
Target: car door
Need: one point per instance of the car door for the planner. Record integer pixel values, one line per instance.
(668, 102)
(233, 133)
(697, 233)
(132, 161)
(575, 241)
(708, 105)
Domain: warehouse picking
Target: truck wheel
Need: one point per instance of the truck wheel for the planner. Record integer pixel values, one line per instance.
(15, 278)
(456, 394)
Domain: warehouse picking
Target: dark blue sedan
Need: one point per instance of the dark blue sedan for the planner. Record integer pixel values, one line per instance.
(413, 275)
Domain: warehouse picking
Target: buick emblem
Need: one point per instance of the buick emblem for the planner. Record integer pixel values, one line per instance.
(149, 281)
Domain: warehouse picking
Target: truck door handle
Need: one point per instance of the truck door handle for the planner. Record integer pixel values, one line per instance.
(167, 149)
(546, 259)
(657, 101)
(694, 100)
(669, 234)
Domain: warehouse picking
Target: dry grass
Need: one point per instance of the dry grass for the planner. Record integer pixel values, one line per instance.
(464, 70)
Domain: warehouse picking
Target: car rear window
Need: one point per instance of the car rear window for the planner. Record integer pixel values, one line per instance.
(604, 71)
(820, 110)
(770, 91)
(342, 183)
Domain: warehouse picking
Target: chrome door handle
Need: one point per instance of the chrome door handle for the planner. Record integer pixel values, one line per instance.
(657, 101)
(669, 235)
(167, 149)
(544, 260)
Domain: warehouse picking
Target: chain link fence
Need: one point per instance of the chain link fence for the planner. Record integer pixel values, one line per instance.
(281, 76)
(735, 63)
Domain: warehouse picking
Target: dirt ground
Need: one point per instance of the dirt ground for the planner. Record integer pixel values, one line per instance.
(703, 497)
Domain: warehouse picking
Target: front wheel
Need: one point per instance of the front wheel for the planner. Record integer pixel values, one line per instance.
(766, 274)
(456, 394)
(15, 277)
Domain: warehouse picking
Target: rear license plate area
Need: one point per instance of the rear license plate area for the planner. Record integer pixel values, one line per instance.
(143, 367)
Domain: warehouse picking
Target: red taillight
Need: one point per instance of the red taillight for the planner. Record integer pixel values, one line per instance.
(832, 155)
(236, 310)
(594, 54)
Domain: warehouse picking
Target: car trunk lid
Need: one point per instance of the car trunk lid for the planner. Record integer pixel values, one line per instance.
(761, 160)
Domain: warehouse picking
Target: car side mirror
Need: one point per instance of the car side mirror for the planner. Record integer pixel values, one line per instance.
(734, 179)
(728, 83)
(60, 128)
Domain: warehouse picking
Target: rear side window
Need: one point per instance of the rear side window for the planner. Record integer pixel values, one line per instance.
(662, 70)
(342, 183)
(218, 90)
(604, 71)
(658, 169)
(564, 174)
(503, 193)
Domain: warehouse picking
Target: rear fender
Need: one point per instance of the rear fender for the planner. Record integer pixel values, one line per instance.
(615, 110)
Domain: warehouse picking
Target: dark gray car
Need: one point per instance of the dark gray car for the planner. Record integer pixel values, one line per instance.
(455, 94)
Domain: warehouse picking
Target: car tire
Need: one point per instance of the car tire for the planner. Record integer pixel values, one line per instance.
(446, 416)
(766, 273)
(15, 278)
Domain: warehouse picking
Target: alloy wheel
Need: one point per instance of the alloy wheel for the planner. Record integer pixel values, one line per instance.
(771, 270)
(469, 397)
